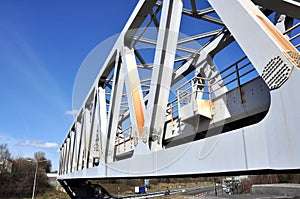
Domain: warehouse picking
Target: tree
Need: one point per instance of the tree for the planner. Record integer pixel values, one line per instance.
(22, 180)
(39, 156)
(43, 162)
(5, 174)
(23, 176)
(4, 158)
(4, 152)
(19, 182)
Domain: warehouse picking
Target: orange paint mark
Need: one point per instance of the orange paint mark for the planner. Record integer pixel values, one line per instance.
(124, 143)
(139, 111)
(136, 94)
(276, 35)
(131, 137)
(270, 28)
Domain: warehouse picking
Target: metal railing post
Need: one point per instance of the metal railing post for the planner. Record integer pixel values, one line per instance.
(239, 82)
(210, 97)
(178, 102)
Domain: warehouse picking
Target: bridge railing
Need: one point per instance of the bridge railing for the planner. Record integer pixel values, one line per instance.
(236, 74)
(295, 38)
(233, 76)
(197, 88)
(124, 141)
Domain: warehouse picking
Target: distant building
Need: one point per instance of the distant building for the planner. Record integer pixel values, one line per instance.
(241, 177)
(5, 165)
(52, 181)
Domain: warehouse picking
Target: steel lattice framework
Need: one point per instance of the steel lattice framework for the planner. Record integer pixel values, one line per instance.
(177, 107)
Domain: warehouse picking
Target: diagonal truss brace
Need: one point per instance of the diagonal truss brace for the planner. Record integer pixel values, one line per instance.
(114, 110)
(266, 35)
(134, 92)
(162, 72)
(102, 119)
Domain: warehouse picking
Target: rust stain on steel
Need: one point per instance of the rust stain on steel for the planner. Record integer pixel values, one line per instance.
(278, 36)
(204, 108)
(137, 99)
(294, 57)
(139, 112)
(271, 29)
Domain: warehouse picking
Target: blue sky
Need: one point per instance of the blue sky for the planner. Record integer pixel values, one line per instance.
(42, 45)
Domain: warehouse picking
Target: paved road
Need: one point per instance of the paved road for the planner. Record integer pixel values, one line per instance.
(188, 191)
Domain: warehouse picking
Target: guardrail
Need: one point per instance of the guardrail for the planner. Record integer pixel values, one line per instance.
(124, 138)
(233, 76)
(297, 35)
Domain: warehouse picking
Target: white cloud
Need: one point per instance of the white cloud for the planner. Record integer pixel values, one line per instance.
(38, 144)
(20, 148)
(72, 112)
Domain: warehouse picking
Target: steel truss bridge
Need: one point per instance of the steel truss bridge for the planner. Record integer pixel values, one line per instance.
(215, 90)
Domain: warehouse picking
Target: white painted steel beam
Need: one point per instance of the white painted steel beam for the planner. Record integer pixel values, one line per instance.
(203, 16)
(71, 150)
(61, 152)
(81, 143)
(102, 119)
(60, 161)
(162, 71)
(87, 130)
(77, 143)
(179, 48)
(114, 110)
(68, 155)
(134, 92)
(93, 133)
(64, 158)
(72, 144)
(254, 32)
(199, 36)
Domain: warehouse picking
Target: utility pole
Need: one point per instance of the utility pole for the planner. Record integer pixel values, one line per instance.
(35, 174)
(216, 193)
